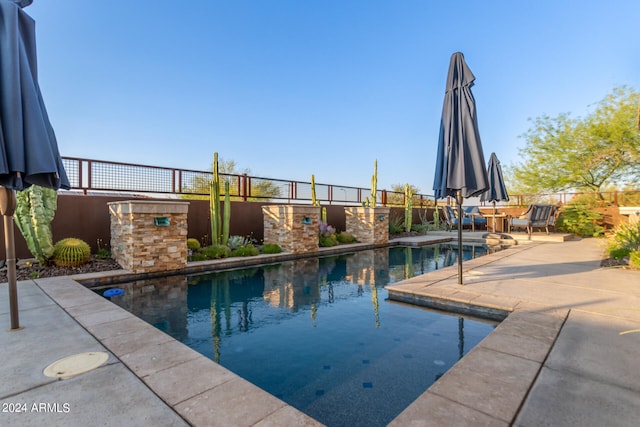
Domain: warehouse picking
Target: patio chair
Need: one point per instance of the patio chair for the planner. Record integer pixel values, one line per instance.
(451, 218)
(474, 213)
(536, 216)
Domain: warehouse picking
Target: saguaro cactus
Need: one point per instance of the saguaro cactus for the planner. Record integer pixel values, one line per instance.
(219, 229)
(374, 184)
(408, 207)
(227, 214)
(314, 201)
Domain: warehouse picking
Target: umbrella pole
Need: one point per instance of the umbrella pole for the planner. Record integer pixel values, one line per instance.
(9, 241)
(459, 202)
(494, 216)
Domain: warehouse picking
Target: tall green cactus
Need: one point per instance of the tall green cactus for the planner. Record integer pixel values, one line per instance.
(374, 184)
(219, 229)
(408, 207)
(314, 201)
(214, 203)
(35, 209)
(227, 214)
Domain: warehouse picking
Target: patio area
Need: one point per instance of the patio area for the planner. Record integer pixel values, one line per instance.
(564, 356)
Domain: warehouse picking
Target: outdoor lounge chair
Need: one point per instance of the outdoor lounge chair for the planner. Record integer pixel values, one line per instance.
(536, 216)
(451, 218)
(474, 213)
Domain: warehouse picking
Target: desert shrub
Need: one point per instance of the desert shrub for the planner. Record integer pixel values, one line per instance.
(215, 251)
(71, 252)
(625, 237)
(345, 238)
(618, 253)
(396, 223)
(270, 248)
(245, 250)
(235, 242)
(422, 228)
(581, 220)
(327, 241)
(634, 260)
(197, 256)
(193, 244)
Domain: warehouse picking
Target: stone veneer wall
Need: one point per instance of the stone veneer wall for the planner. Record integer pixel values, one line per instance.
(284, 225)
(366, 224)
(140, 246)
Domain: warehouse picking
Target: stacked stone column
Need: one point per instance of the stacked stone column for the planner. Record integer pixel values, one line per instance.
(149, 236)
(294, 228)
(368, 225)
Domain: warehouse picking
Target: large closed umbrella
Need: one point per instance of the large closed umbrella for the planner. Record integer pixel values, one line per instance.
(28, 147)
(497, 191)
(460, 170)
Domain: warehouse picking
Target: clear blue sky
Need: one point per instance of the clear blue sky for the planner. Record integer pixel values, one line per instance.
(290, 88)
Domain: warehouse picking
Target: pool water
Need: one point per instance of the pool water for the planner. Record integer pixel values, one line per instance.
(318, 333)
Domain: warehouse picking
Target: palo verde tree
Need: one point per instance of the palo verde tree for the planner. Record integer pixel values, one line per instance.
(565, 153)
(199, 187)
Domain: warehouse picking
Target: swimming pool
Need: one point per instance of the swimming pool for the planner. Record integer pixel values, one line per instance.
(318, 333)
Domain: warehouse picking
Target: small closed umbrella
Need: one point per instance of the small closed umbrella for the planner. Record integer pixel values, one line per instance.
(497, 191)
(28, 148)
(460, 170)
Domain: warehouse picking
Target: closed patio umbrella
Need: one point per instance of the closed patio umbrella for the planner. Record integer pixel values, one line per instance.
(497, 191)
(28, 148)
(460, 169)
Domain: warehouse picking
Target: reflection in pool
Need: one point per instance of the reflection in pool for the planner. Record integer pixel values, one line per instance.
(318, 333)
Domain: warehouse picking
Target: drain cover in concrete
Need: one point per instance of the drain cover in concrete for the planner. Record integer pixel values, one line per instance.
(76, 364)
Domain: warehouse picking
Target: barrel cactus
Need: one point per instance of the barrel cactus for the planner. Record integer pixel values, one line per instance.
(71, 252)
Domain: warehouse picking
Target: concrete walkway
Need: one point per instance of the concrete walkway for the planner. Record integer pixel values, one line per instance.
(563, 356)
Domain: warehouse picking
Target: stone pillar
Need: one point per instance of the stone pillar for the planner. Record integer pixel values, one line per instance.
(294, 227)
(368, 225)
(149, 236)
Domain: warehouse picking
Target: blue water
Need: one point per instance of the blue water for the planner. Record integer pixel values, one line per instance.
(318, 333)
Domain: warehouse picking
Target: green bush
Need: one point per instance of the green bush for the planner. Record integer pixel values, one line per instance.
(345, 238)
(71, 252)
(579, 219)
(396, 223)
(246, 250)
(270, 248)
(618, 253)
(235, 242)
(634, 260)
(625, 237)
(216, 251)
(198, 256)
(327, 241)
(193, 244)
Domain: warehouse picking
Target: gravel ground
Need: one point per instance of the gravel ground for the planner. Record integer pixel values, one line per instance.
(31, 269)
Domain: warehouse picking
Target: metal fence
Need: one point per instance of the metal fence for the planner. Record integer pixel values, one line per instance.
(98, 176)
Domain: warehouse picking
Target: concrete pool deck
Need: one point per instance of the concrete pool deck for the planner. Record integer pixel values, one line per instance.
(565, 356)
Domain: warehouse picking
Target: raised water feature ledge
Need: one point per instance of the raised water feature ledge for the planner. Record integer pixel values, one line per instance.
(368, 225)
(149, 236)
(295, 228)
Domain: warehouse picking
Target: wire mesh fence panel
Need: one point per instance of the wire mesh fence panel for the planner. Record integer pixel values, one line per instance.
(72, 167)
(193, 182)
(145, 179)
(264, 189)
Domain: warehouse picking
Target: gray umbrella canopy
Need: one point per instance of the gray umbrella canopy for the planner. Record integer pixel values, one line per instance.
(28, 147)
(497, 191)
(460, 162)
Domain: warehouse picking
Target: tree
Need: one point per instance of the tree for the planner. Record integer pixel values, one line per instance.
(396, 195)
(565, 153)
(260, 188)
